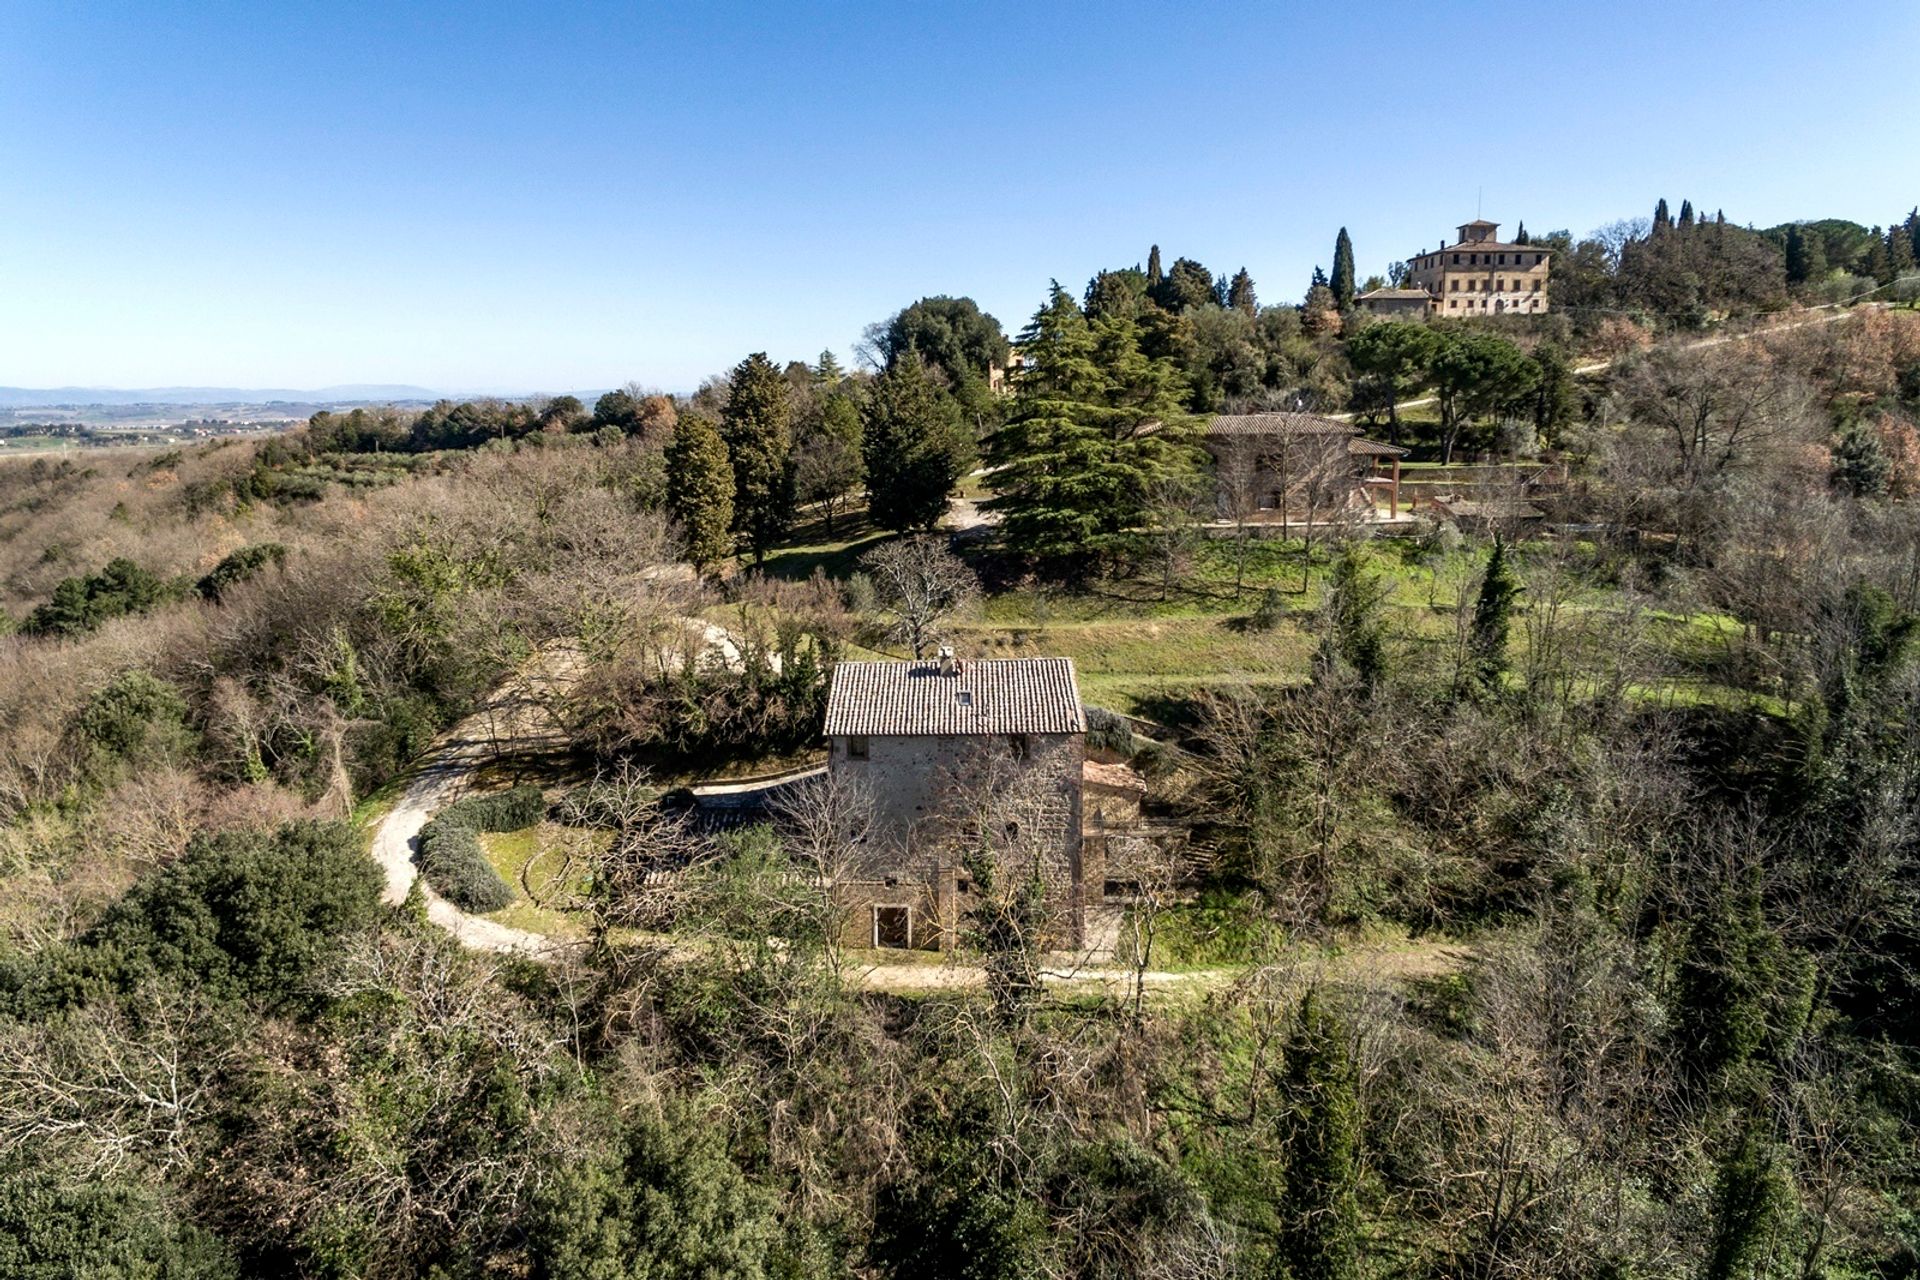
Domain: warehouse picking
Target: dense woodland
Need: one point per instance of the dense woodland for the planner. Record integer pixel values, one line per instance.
(1560, 906)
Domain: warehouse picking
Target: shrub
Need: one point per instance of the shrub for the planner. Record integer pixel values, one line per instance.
(52, 1227)
(132, 715)
(1271, 609)
(666, 1201)
(245, 912)
(81, 604)
(450, 854)
(238, 567)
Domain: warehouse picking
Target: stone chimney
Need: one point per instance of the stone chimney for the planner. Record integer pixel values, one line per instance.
(948, 667)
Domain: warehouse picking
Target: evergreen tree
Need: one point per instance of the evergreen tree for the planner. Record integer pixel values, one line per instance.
(756, 424)
(1342, 282)
(1492, 619)
(1356, 633)
(1557, 397)
(1154, 274)
(1751, 1200)
(1900, 250)
(1806, 255)
(1742, 996)
(828, 371)
(1662, 220)
(1879, 259)
(1319, 1132)
(1095, 430)
(1188, 285)
(700, 490)
(914, 447)
(1686, 214)
(1240, 293)
(1520, 236)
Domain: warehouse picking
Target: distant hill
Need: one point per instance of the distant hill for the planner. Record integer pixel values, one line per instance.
(32, 398)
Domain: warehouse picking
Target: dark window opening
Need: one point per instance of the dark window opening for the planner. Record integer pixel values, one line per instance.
(1020, 746)
(856, 748)
(1121, 889)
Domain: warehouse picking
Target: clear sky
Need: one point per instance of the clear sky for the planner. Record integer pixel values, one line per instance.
(554, 196)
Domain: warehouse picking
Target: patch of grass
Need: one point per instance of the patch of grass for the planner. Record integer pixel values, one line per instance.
(536, 865)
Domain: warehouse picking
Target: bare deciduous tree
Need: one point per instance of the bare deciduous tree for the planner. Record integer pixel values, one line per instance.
(920, 583)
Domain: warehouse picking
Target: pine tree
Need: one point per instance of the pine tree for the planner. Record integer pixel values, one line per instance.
(1662, 221)
(700, 490)
(1342, 282)
(1686, 214)
(1154, 274)
(1319, 1133)
(914, 447)
(828, 372)
(756, 424)
(1492, 618)
(1240, 293)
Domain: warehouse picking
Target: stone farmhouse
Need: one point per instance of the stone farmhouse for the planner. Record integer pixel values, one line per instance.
(1286, 468)
(1479, 275)
(959, 756)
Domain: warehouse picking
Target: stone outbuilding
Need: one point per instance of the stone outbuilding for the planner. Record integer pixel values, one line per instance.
(959, 758)
(1291, 467)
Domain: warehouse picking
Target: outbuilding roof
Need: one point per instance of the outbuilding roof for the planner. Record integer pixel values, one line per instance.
(1273, 424)
(1395, 295)
(997, 695)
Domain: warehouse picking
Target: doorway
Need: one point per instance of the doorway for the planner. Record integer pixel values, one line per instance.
(893, 927)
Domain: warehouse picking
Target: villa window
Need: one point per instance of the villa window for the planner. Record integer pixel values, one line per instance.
(856, 748)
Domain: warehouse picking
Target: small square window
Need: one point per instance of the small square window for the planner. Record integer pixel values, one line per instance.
(856, 748)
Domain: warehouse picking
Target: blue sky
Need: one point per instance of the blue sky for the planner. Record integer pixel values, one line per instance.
(568, 196)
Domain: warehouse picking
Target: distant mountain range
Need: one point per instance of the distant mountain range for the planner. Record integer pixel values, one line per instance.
(31, 398)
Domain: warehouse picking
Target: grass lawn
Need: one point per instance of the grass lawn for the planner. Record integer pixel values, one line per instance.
(535, 864)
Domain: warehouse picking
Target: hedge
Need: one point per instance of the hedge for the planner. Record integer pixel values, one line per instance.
(450, 854)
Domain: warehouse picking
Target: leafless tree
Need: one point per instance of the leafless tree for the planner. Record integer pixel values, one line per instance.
(920, 583)
(826, 822)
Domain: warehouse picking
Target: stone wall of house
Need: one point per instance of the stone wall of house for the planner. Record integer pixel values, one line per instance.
(1019, 796)
(1266, 475)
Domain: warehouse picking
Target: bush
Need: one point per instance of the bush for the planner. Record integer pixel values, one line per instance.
(666, 1201)
(81, 604)
(450, 854)
(1271, 609)
(238, 567)
(53, 1227)
(132, 715)
(244, 912)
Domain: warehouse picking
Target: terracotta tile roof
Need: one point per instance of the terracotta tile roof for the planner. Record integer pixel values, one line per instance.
(1274, 424)
(1114, 777)
(1361, 447)
(1001, 695)
(1393, 295)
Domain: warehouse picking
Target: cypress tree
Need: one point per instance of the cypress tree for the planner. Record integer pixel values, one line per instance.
(1520, 237)
(700, 490)
(1492, 619)
(1806, 255)
(756, 424)
(1879, 261)
(1240, 293)
(1686, 214)
(1319, 1131)
(914, 446)
(1900, 250)
(1342, 282)
(1662, 220)
(1355, 632)
(1751, 1197)
(1154, 274)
